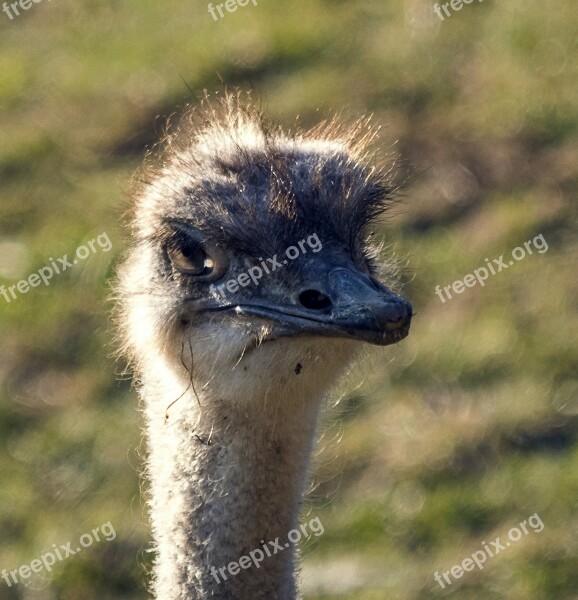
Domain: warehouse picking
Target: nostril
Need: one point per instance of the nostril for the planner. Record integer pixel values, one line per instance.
(314, 300)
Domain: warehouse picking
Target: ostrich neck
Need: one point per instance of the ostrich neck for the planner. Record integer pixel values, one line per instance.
(225, 481)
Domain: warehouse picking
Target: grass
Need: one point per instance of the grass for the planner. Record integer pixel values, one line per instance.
(457, 435)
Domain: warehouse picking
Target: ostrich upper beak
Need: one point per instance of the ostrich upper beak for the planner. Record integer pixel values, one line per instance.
(333, 302)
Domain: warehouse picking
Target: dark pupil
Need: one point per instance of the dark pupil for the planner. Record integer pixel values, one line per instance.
(195, 255)
(193, 252)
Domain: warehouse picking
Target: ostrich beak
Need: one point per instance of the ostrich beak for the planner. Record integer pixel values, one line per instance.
(338, 302)
(364, 309)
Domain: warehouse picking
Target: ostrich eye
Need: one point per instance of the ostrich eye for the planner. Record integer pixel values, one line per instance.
(191, 259)
(191, 255)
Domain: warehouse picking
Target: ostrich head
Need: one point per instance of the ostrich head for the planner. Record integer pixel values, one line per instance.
(252, 256)
(250, 284)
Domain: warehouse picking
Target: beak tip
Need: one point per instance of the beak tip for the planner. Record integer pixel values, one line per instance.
(395, 315)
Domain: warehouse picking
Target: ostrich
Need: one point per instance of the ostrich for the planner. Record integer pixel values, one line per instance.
(233, 370)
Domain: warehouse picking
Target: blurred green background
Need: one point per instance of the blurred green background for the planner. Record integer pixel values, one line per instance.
(456, 435)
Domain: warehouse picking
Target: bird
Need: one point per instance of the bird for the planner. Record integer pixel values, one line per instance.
(250, 285)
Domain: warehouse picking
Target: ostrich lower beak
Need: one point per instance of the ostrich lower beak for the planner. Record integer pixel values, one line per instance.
(346, 304)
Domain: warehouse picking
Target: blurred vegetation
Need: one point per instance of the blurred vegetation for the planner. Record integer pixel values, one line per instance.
(459, 433)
